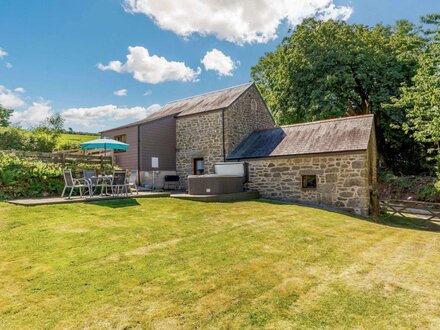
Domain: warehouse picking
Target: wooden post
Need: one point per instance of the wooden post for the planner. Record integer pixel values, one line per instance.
(375, 205)
(374, 202)
(63, 160)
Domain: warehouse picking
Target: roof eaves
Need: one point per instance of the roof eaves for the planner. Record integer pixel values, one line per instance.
(182, 114)
(330, 120)
(316, 122)
(207, 93)
(121, 127)
(297, 154)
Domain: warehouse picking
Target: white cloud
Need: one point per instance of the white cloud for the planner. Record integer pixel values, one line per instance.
(148, 92)
(151, 69)
(3, 53)
(87, 118)
(8, 65)
(33, 115)
(9, 99)
(120, 92)
(105, 116)
(112, 65)
(20, 90)
(245, 21)
(219, 62)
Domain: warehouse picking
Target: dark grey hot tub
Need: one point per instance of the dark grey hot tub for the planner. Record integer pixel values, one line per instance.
(214, 184)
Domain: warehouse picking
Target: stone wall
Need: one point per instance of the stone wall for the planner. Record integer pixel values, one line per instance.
(342, 179)
(244, 116)
(198, 136)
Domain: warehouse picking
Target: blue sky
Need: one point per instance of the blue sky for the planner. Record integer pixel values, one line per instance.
(50, 50)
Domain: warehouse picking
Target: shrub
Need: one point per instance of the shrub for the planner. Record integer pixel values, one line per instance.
(19, 139)
(28, 178)
(34, 178)
(424, 188)
(68, 146)
(400, 184)
(430, 192)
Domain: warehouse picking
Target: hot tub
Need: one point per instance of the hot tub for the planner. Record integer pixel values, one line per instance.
(215, 184)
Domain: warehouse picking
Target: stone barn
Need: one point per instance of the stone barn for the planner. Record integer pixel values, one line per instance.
(330, 162)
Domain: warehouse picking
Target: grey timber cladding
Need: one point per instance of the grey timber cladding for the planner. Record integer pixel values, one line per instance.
(129, 158)
(158, 139)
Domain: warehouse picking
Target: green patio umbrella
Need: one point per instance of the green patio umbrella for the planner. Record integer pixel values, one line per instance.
(104, 143)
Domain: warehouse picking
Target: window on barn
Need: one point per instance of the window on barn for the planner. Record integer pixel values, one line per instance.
(199, 166)
(309, 181)
(121, 138)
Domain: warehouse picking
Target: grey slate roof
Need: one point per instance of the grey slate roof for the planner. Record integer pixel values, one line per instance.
(196, 104)
(333, 135)
(208, 102)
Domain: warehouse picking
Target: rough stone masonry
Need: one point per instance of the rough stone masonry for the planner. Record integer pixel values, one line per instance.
(342, 180)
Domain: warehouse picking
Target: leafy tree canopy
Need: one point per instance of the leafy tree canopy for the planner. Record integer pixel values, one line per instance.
(332, 69)
(421, 99)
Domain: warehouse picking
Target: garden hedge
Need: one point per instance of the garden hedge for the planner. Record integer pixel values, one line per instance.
(20, 177)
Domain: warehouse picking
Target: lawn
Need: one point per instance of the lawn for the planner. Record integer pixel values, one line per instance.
(164, 263)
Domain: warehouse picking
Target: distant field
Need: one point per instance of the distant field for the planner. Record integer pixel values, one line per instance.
(75, 138)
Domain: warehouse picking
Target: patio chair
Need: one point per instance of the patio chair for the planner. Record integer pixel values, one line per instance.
(131, 181)
(119, 183)
(92, 180)
(71, 183)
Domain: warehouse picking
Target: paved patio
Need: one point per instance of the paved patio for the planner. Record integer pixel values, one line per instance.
(77, 199)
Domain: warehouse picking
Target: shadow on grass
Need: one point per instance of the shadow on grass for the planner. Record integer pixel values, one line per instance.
(410, 223)
(385, 220)
(117, 203)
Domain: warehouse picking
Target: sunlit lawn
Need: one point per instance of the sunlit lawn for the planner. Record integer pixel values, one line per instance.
(164, 263)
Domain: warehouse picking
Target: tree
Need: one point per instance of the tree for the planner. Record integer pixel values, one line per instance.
(421, 100)
(48, 131)
(332, 69)
(53, 125)
(56, 123)
(5, 114)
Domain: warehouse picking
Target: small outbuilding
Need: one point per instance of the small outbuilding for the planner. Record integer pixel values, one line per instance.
(330, 162)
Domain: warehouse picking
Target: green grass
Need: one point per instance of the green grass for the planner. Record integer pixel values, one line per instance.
(164, 263)
(75, 138)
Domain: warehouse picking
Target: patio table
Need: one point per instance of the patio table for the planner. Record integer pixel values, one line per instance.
(100, 181)
(106, 181)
